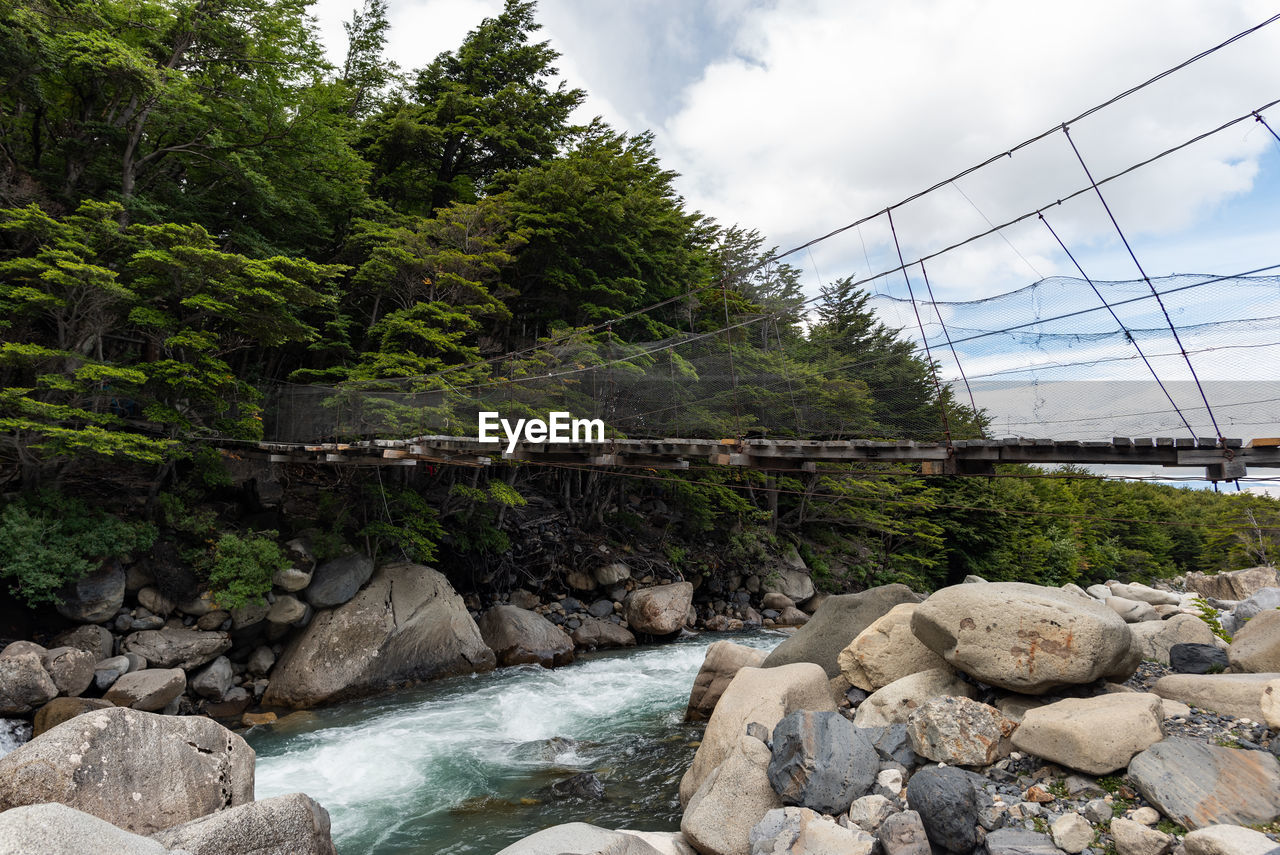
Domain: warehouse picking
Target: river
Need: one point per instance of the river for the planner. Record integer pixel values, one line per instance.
(463, 765)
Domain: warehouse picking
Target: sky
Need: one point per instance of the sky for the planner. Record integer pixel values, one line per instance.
(796, 117)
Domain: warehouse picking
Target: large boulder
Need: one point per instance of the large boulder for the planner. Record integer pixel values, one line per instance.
(763, 695)
(139, 771)
(335, 582)
(54, 829)
(1255, 648)
(176, 647)
(24, 684)
(579, 838)
(836, 623)
(1196, 784)
(150, 689)
(948, 807)
(894, 703)
(90, 638)
(94, 597)
(1094, 735)
(1157, 638)
(660, 610)
(959, 731)
(594, 633)
(729, 802)
(1236, 585)
(521, 637)
(1228, 840)
(1132, 611)
(800, 831)
(1144, 594)
(821, 761)
(285, 825)
(903, 834)
(1251, 696)
(59, 710)
(1026, 638)
(723, 660)
(70, 668)
(407, 625)
(885, 651)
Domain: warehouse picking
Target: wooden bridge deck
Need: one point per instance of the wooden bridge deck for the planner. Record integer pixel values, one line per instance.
(1222, 462)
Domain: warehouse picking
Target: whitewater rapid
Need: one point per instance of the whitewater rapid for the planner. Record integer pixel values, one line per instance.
(463, 765)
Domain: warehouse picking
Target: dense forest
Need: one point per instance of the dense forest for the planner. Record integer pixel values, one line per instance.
(198, 211)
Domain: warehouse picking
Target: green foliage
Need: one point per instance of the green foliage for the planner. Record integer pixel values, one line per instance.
(413, 527)
(473, 515)
(1209, 615)
(49, 540)
(239, 568)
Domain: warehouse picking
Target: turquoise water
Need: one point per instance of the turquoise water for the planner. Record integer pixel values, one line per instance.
(463, 765)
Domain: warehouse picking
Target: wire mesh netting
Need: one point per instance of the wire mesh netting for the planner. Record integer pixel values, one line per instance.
(1048, 360)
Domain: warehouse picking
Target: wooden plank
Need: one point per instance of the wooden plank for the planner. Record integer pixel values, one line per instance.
(1264, 442)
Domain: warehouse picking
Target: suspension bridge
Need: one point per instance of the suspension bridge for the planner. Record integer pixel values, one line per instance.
(1150, 371)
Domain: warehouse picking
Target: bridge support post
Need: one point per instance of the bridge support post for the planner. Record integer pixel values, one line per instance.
(1227, 470)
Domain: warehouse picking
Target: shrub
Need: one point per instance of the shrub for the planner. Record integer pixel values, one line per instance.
(48, 540)
(240, 567)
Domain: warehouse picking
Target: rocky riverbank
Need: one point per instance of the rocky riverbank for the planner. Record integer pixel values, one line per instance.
(998, 718)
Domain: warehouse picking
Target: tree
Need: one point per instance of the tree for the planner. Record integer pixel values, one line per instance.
(366, 72)
(470, 114)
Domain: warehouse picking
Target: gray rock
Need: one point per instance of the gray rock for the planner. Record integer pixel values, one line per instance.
(870, 812)
(1097, 810)
(599, 609)
(944, 798)
(71, 669)
(155, 602)
(904, 834)
(593, 634)
(579, 838)
(285, 825)
(1236, 585)
(1072, 833)
(175, 647)
(959, 732)
(24, 684)
(139, 771)
(291, 579)
(1133, 611)
(1197, 658)
(611, 574)
(1134, 838)
(821, 761)
(520, 637)
(584, 785)
(1145, 594)
(106, 672)
(892, 742)
(800, 831)
(1255, 649)
(1266, 599)
(1197, 785)
(287, 609)
(260, 661)
(1018, 841)
(1026, 638)
(151, 689)
(59, 710)
(1229, 840)
(335, 582)
(1157, 638)
(660, 610)
(214, 620)
(836, 623)
(54, 829)
(90, 638)
(250, 614)
(95, 597)
(215, 680)
(723, 660)
(408, 624)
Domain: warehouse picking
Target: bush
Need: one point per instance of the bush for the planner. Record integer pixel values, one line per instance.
(48, 540)
(240, 567)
